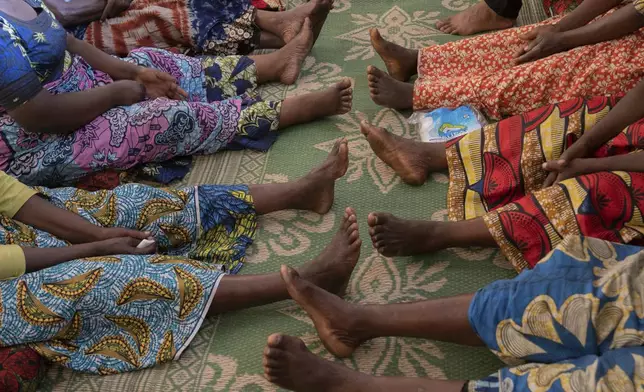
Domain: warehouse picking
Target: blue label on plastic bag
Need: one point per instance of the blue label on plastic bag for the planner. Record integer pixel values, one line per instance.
(451, 123)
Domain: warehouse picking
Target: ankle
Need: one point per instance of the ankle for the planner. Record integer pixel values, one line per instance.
(365, 321)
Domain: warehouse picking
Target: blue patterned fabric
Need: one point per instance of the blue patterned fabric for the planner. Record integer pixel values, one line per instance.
(32, 53)
(212, 20)
(577, 317)
(120, 313)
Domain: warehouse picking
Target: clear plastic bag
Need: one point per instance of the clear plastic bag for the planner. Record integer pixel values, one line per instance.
(444, 124)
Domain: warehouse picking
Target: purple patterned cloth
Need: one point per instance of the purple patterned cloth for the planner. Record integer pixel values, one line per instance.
(220, 90)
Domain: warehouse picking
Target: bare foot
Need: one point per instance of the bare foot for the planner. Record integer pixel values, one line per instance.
(476, 19)
(316, 190)
(292, 55)
(332, 269)
(401, 62)
(337, 99)
(389, 92)
(291, 21)
(290, 365)
(410, 159)
(393, 236)
(335, 320)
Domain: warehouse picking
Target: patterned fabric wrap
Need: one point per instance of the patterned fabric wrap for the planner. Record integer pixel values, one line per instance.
(22, 369)
(113, 314)
(151, 131)
(214, 27)
(268, 5)
(479, 71)
(574, 323)
(560, 7)
(496, 173)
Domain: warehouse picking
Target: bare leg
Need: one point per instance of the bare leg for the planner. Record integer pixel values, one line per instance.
(287, 25)
(476, 19)
(331, 270)
(270, 41)
(410, 159)
(393, 236)
(389, 92)
(285, 64)
(305, 108)
(401, 63)
(289, 364)
(314, 192)
(343, 326)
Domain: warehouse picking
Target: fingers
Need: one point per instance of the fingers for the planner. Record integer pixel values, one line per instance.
(530, 35)
(550, 180)
(555, 166)
(166, 77)
(182, 93)
(532, 54)
(139, 235)
(147, 250)
(109, 7)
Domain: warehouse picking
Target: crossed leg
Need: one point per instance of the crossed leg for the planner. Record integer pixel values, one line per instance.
(343, 327)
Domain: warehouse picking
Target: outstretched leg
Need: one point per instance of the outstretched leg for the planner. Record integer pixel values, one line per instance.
(411, 160)
(389, 92)
(331, 270)
(287, 24)
(313, 192)
(284, 65)
(301, 109)
(401, 63)
(393, 236)
(270, 41)
(343, 326)
(476, 19)
(289, 364)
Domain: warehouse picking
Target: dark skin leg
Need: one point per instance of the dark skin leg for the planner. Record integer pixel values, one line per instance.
(305, 108)
(389, 92)
(393, 236)
(343, 326)
(286, 25)
(401, 63)
(270, 41)
(313, 192)
(285, 64)
(289, 364)
(411, 160)
(476, 19)
(331, 270)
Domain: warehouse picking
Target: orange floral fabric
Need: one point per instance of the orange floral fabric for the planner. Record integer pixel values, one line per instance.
(479, 71)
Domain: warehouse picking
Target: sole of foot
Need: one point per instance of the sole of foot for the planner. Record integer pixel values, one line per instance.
(295, 53)
(476, 19)
(392, 236)
(400, 62)
(331, 315)
(316, 10)
(332, 269)
(289, 364)
(389, 92)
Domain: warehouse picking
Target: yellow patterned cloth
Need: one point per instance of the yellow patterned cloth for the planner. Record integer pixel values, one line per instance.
(120, 313)
(639, 6)
(496, 173)
(574, 323)
(13, 195)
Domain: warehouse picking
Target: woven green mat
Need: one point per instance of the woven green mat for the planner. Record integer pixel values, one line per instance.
(226, 353)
